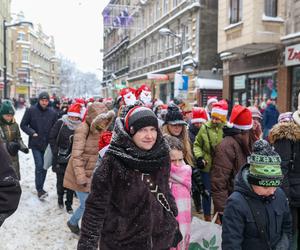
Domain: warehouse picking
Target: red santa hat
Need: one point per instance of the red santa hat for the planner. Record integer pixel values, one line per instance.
(199, 115)
(125, 91)
(212, 99)
(241, 118)
(74, 110)
(220, 110)
(80, 101)
(144, 87)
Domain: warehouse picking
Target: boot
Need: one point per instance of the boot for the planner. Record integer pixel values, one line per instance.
(60, 202)
(207, 217)
(69, 209)
(73, 228)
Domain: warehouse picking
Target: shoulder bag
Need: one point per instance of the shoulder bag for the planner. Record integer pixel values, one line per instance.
(63, 154)
(160, 197)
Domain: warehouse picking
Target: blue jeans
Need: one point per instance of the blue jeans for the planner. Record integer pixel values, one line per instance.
(40, 172)
(80, 210)
(206, 201)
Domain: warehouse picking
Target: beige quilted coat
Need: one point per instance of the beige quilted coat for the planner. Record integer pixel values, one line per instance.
(85, 148)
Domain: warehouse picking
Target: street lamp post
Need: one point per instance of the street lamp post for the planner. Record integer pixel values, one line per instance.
(5, 27)
(168, 32)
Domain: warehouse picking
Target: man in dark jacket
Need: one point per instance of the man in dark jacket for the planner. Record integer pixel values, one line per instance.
(257, 214)
(270, 118)
(10, 190)
(37, 122)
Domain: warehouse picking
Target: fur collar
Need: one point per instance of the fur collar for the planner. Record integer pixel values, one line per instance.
(285, 130)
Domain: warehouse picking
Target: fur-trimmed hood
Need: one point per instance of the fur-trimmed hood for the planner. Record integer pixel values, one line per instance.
(284, 130)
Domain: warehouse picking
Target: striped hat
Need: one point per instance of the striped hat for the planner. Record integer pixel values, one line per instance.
(241, 118)
(220, 110)
(285, 117)
(139, 117)
(264, 167)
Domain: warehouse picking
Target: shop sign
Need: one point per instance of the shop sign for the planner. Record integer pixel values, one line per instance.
(292, 55)
(22, 90)
(157, 76)
(239, 82)
(181, 85)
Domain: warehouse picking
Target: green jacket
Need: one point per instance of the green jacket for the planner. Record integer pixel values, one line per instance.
(202, 147)
(8, 133)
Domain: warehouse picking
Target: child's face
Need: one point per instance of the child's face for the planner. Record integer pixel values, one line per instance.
(264, 191)
(8, 117)
(176, 157)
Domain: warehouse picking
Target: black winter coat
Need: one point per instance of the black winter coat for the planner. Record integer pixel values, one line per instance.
(10, 190)
(63, 142)
(40, 121)
(193, 131)
(286, 140)
(239, 230)
(120, 207)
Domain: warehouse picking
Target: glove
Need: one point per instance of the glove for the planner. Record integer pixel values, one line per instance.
(25, 150)
(200, 163)
(198, 185)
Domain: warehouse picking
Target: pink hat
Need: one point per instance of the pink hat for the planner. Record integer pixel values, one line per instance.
(199, 115)
(241, 118)
(220, 110)
(74, 110)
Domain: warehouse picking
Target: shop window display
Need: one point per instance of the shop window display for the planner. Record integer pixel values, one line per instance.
(255, 89)
(295, 87)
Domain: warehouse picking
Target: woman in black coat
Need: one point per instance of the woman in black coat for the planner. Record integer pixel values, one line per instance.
(121, 211)
(10, 190)
(285, 136)
(258, 205)
(60, 139)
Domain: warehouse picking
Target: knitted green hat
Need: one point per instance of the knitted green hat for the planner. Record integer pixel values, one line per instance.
(7, 108)
(265, 167)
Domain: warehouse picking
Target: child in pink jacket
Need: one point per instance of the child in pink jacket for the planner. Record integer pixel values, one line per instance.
(180, 184)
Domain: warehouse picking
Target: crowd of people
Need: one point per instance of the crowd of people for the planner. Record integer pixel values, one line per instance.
(137, 165)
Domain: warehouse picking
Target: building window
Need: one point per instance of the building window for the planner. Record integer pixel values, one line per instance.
(271, 8)
(21, 36)
(165, 6)
(25, 55)
(235, 11)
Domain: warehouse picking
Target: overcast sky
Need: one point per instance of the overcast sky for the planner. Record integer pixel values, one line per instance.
(76, 25)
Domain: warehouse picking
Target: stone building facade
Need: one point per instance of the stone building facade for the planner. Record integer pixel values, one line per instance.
(36, 67)
(154, 59)
(5, 6)
(252, 40)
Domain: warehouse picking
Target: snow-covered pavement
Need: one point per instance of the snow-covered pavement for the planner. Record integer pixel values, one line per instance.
(36, 225)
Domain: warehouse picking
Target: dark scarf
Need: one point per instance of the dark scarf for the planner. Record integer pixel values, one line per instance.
(3, 121)
(123, 148)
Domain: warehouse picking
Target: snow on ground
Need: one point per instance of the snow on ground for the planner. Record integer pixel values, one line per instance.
(36, 225)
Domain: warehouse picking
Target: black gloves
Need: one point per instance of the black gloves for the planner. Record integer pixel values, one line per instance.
(25, 150)
(197, 184)
(200, 163)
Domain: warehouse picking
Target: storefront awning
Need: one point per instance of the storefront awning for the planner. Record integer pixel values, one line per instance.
(204, 83)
